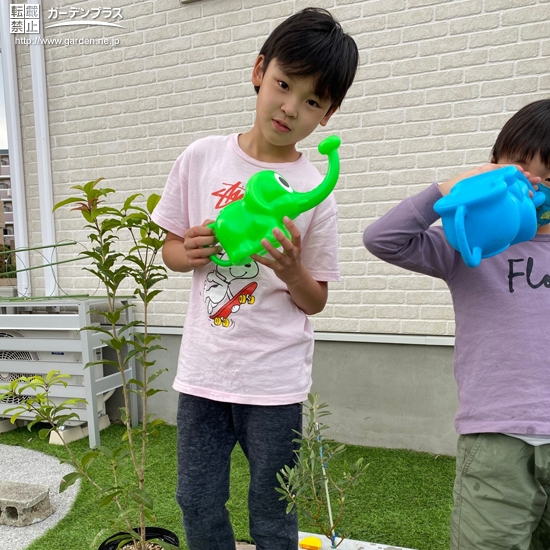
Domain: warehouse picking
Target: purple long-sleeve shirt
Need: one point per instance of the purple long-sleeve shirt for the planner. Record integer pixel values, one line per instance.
(502, 313)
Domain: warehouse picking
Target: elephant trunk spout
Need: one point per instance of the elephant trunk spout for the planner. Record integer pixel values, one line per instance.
(329, 147)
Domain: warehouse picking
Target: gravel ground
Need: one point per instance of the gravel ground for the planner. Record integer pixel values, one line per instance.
(25, 466)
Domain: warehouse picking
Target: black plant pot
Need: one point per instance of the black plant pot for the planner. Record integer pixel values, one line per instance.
(150, 533)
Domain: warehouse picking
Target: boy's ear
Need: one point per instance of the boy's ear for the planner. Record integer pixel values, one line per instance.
(258, 71)
(326, 118)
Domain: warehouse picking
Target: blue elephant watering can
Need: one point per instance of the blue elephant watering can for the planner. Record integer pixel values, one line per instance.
(485, 214)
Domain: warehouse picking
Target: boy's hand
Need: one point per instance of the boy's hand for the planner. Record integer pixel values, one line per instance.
(308, 294)
(199, 243)
(446, 187)
(287, 263)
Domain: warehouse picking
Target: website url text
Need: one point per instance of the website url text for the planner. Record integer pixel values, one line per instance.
(67, 41)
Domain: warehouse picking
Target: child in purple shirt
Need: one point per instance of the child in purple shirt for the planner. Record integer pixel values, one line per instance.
(502, 351)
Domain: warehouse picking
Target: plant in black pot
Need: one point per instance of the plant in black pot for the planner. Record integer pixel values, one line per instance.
(129, 340)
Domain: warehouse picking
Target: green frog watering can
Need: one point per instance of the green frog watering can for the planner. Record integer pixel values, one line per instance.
(268, 198)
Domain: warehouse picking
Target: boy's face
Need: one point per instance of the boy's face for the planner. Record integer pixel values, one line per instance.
(287, 109)
(535, 167)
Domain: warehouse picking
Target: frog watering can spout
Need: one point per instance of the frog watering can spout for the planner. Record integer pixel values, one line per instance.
(242, 225)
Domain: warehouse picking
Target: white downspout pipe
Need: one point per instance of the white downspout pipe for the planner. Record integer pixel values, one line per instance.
(15, 148)
(43, 159)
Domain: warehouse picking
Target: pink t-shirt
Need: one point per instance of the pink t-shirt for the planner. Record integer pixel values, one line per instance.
(244, 339)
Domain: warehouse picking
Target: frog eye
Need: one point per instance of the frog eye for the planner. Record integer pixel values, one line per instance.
(284, 183)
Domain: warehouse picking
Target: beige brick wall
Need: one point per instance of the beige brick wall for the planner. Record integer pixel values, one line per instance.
(437, 80)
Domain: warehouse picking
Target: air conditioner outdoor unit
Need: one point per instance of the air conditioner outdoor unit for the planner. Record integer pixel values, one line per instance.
(55, 361)
(41, 335)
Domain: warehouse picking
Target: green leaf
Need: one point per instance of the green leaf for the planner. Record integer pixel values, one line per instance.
(15, 416)
(45, 433)
(65, 202)
(149, 516)
(157, 422)
(105, 451)
(38, 419)
(152, 202)
(55, 377)
(155, 375)
(103, 362)
(121, 453)
(88, 459)
(141, 497)
(151, 295)
(125, 539)
(69, 480)
(61, 420)
(115, 343)
(128, 202)
(108, 499)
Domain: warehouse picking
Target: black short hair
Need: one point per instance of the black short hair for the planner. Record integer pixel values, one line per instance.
(526, 134)
(312, 43)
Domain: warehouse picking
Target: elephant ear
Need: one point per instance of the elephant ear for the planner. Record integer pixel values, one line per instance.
(263, 192)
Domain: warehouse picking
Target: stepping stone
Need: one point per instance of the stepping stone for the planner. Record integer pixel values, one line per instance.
(23, 504)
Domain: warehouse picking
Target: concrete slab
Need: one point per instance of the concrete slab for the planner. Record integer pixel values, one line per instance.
(345, 545)
(349, 544)
(23, 504)
(25, 466)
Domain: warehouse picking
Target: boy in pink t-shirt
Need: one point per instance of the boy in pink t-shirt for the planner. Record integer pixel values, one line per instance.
(245, 358)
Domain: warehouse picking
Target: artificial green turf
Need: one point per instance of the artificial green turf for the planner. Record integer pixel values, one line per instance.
(404, 498)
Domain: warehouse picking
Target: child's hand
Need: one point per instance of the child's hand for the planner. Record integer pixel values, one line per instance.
(286, 263)
(199, 243)
(446, 187)
(308, 294)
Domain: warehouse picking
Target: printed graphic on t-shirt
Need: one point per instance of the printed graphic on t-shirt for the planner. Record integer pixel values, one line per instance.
(227, 290)
(517, 268)
(230, 193)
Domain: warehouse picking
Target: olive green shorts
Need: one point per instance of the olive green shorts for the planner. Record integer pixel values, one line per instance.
(501, 494)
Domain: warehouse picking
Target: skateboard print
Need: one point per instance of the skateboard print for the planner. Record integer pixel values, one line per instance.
(226, 290)
(244, 296)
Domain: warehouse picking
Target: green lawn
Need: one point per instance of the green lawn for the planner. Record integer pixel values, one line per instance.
(404, 499)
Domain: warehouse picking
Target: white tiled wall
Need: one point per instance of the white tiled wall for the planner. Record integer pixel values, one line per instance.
(437, 80)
